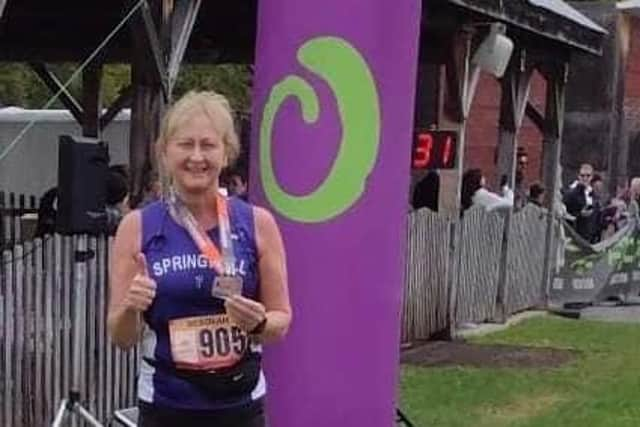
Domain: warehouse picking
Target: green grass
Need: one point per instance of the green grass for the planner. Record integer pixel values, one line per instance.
(601, 388)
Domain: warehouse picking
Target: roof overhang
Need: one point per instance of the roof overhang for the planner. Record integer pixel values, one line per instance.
(70, 30)
(631, 7)
(554, 20)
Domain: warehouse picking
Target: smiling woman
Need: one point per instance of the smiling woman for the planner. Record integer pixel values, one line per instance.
(203, 312)
(197, 141)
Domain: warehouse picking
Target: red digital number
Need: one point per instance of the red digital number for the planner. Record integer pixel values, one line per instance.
(422, 155)
(447, 151)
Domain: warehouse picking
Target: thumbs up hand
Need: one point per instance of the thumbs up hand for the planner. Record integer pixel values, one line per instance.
(142, 290)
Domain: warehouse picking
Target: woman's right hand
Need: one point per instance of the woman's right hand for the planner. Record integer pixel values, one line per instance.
(142, 289)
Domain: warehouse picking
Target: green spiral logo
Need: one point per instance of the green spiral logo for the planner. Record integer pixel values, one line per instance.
(350, 78)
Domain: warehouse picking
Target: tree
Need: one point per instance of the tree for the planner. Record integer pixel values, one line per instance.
(232, 81)
(20, 86)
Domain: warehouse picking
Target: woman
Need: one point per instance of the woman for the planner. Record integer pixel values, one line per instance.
(203, 301)
(536, 194)
(475, 193)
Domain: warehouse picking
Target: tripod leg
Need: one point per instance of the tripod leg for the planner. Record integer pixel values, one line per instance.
(57, 422)
(403, 418)
(86, 415)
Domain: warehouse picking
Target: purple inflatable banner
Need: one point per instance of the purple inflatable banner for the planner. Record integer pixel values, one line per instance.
(332, 130)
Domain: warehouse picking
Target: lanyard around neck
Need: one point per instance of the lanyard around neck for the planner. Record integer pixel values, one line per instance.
(223, 260)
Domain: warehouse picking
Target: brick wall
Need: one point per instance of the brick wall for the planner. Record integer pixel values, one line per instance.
(482, 133)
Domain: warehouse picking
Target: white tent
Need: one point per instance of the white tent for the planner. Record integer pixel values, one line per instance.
(31, 167)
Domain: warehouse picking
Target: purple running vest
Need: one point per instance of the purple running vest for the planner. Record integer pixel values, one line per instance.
(184, 281)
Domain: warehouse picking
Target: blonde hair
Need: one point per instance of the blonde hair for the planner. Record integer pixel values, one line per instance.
(213, 105)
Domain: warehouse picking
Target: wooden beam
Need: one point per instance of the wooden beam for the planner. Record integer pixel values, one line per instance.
(514, 97)
(454, 99)
(465, 82)
(3, 4)
(182, 22)
(535, 116)
(148, 100)
(55, 86)
(428, 85)
(153, 48)
(91, 99)
(122, 101)
(552, 148)
(214, 55)
(553, 127)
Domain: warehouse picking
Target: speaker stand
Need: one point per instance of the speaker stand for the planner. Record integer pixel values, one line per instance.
(71, 406)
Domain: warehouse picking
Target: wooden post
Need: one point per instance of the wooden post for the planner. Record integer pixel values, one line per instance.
(54, 85)
(146, 109)
(514, 97)
(148, 97)
(123, 100)
(92, 99)
(155, 65)
(461, 80)
(552, 147)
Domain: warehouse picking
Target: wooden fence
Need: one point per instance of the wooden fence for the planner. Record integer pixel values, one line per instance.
(38, 296)
(478, 262)
(525, 261)
(445, 288)
(425, 307)
(38, 290)
(13, 208)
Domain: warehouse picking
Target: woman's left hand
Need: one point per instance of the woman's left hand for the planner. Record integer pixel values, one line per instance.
(244, 312)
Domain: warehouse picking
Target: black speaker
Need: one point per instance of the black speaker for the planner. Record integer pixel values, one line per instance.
(82, 185)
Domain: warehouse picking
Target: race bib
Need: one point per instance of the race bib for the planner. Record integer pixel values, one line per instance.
(206, 342)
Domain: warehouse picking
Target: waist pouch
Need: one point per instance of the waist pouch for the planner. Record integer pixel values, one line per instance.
(229, 383)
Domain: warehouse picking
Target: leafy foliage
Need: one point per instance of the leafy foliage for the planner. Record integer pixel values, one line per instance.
(20, 86)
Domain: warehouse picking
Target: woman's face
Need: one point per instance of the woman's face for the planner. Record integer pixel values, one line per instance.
(483, 182)
(194, 155)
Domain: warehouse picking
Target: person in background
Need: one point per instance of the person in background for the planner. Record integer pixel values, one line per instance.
(237, 184)
(427, 192)
(474, 192)
(536, 194)
(117, 199)
(600, 202)
(520, 188)
(47, 206)
(579, 202)
(598, 191)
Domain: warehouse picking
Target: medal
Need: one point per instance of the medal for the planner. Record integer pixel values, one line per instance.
(223, 260)
(226, 286)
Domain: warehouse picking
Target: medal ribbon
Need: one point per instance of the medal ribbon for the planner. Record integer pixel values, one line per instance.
(224, 260)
